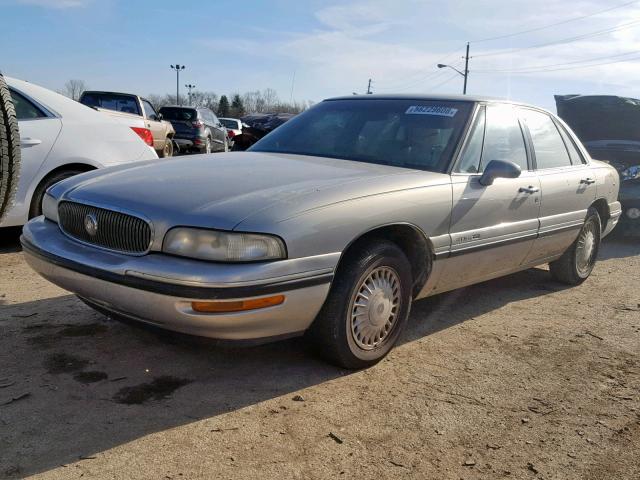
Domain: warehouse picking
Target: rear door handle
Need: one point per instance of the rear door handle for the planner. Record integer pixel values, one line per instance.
(529, 189)
(587, 181)
(29, 142)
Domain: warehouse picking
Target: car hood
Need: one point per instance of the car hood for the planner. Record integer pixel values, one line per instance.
(601, 117)
(221, 190)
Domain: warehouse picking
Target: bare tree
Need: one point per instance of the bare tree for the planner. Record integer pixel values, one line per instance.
(74, 88)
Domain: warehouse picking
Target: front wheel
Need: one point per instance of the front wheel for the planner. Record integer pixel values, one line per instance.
(576, 264)
(226, 145)
(367, 307)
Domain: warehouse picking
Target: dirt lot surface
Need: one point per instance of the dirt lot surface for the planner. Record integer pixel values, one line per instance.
(514, 378)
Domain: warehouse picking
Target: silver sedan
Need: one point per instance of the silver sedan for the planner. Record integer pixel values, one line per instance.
(333, 224)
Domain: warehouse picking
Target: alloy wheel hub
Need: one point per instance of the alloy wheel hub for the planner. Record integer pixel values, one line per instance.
(374, 308)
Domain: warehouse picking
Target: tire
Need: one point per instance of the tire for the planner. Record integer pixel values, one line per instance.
(35, 210)
(344, 333)
(207, 145)
(226, 145)
(167, 150)
(9, 149)
(576, 264)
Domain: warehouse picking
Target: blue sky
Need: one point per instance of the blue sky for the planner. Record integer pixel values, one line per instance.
(332, 47)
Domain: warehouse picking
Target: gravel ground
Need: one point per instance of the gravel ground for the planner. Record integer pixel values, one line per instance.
(519, 377)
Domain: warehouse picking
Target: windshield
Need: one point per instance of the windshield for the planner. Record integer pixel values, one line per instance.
(111, 101)
(418, 134)
(228, 123)
(181, 114)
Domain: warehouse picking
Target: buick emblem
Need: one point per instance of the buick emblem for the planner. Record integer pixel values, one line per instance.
(91, 224)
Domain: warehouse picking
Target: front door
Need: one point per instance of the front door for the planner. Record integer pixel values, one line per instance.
(492, 227)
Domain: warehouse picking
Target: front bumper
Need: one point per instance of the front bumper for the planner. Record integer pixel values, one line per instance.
(629, 198)
(158, 289)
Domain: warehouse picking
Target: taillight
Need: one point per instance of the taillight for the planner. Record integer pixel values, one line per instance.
(231, 133)
(198, 124)
(144, 134)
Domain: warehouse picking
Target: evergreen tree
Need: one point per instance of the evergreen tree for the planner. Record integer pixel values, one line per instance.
(223, 106)
(237, 107)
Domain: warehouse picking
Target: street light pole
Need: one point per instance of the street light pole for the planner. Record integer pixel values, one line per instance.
(177, 68)
(464, 74)
(190, 87)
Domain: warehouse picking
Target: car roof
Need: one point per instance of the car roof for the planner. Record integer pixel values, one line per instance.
(184, 107)
(425, 96)
(56, 103)
(111, 93)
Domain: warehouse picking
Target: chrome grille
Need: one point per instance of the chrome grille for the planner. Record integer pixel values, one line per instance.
(115, 230)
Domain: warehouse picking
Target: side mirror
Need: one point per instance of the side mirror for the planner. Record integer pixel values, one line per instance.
(160, 117)
(499, 169)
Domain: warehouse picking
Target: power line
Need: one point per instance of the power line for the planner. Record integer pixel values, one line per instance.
(562, 41)
(535, 67)
(403, 85)
(447, 80)
(516, 72)
(563, 22)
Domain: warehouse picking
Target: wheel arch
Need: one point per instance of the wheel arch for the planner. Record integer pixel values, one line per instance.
(411, 239)
(80, 167)
(602, 207)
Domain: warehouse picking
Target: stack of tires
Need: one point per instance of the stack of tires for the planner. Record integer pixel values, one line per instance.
(9, 148)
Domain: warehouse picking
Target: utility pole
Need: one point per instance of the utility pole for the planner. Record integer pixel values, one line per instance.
(190, 87)
(466, 70)
(177, 68)
(369, 92)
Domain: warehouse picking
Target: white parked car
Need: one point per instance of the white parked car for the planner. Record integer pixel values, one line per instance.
(60, 138)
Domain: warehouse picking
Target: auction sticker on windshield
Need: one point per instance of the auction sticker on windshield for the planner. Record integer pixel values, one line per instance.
(431, 110)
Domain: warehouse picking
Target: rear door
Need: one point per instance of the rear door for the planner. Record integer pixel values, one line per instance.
(492, 227)
(153, 122)
(39, 130)
(567, 183)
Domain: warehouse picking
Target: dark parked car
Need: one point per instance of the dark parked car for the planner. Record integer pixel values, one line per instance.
(197, 129)
(608, 126)
(257, 126)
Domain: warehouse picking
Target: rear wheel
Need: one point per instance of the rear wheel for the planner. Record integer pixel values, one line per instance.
(35, 210)
(207, 145)
(167, 150)
(9, 149)
(576, 264)
(367, 307)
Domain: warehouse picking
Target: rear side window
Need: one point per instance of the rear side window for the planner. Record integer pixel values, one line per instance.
(111, 101)
(25, 110)
(549, 148)
(503, 138)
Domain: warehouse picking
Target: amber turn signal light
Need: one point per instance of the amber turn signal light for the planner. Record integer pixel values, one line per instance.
(237, 306)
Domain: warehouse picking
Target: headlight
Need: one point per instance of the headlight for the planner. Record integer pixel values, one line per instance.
(50, 207)
(630, 173)
(223, 246)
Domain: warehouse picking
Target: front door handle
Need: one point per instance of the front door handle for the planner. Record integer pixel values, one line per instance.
(587, 181)
(29, 142)
(529, 189)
